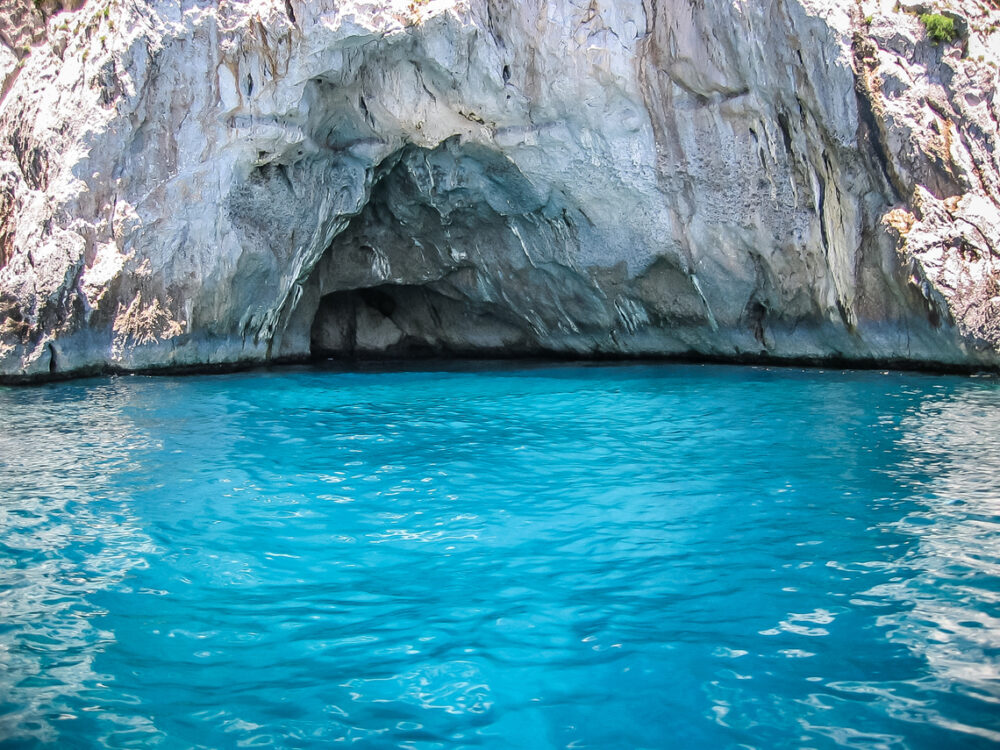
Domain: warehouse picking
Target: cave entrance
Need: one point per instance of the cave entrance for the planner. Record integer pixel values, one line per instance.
(454, 254)
(404, 320)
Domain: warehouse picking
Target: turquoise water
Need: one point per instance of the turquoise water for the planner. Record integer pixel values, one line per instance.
(552, 557)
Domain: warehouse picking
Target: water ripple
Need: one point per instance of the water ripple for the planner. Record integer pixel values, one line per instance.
(605, 557)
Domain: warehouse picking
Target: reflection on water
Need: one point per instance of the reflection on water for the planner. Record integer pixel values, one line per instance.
(67, 533)
(608, 557)
(951, 619)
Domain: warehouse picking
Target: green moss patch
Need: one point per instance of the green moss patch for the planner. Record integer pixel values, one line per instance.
(940, 29)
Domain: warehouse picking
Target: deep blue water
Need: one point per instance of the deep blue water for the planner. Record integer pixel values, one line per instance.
(553, 557)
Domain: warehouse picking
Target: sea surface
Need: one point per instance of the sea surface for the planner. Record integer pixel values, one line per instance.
(553, 556)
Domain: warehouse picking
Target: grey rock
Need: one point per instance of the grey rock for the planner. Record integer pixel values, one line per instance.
(187, 184)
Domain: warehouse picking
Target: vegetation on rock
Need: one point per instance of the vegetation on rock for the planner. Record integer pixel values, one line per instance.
(939, 28)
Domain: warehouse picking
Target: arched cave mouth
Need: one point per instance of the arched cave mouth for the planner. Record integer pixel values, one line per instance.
(456, 253)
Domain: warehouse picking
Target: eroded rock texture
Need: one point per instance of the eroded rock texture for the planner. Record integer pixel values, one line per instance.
(187, 183)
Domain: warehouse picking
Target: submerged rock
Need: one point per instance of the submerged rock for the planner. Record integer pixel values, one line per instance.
(193, 183)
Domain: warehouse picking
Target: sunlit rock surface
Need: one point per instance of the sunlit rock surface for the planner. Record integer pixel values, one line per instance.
(195, 183)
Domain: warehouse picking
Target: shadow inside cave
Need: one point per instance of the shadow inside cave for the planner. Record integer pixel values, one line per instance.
(408, 320)
(455, 253)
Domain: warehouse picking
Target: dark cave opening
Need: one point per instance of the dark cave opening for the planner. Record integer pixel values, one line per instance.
(407, 321)
(454, 254)
(384, 320)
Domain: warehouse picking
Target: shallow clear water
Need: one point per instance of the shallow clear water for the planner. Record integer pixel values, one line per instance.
(604, 557)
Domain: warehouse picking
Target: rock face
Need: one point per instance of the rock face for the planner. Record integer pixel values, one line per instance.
(195, 182)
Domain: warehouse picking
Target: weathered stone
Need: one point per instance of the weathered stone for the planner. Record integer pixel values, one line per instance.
(186, 183)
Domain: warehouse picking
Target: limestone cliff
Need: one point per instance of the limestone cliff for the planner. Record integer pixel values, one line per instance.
(190, 182)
